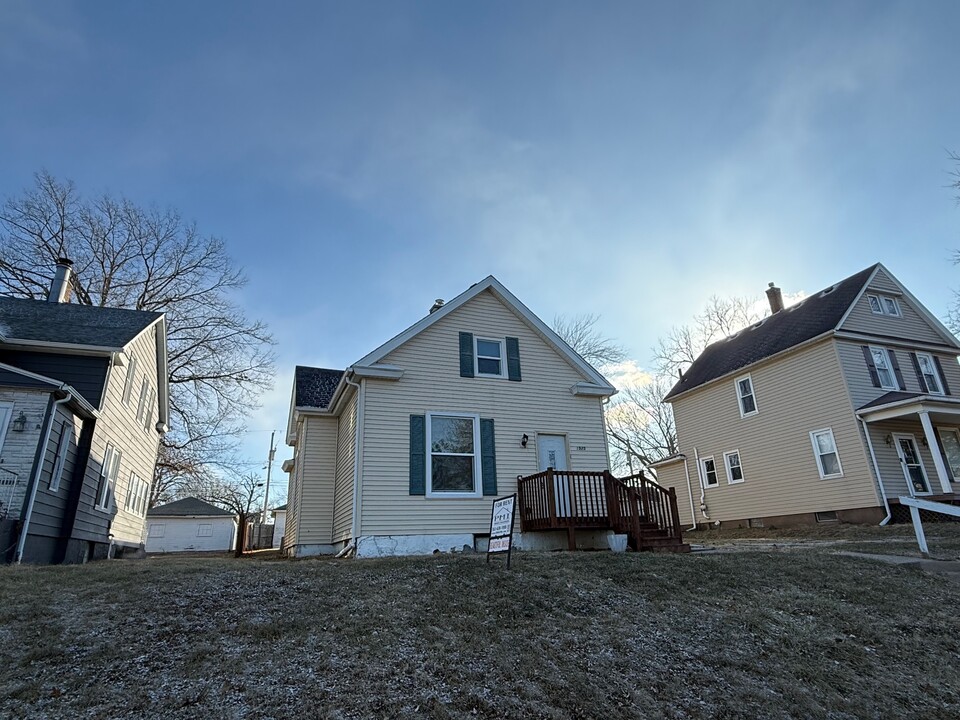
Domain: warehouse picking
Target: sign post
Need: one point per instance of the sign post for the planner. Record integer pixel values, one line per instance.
(501, 527)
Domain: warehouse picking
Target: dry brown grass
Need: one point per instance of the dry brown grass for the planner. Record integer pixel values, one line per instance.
(751, 634)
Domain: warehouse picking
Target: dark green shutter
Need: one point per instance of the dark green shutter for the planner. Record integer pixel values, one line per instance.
(943, 378)
(466, 354)
(920, 378)
(513, 359)
(418, 457)
(488, 457)
(896, 370)
(871, 368)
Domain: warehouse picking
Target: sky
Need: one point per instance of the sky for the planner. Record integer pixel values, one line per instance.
(628, 159)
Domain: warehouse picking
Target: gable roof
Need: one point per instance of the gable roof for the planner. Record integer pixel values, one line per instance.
(815, 315)
(188, 507)
(510, 300)
(314, 387)
(69, 324)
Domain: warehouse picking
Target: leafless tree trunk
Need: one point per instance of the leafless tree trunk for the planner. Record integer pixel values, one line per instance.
(146, 259)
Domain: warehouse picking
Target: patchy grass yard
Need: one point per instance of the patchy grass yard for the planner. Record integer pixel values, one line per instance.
(750, 634)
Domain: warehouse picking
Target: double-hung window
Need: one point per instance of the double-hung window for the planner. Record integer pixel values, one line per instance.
(881, 361)
(734, 468)
(142, 405)
(108, 478)
(489, 356)
(825, 451)
(205, 530)
(928, 371)
(745, 396)
(884, 305)
(453, 465)
(137, 495)
(128, 382)
(63, 447)
(709, 472)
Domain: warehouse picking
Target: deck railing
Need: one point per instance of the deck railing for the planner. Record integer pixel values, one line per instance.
(570, 499)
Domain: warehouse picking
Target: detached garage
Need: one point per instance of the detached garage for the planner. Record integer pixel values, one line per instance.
(190, 525)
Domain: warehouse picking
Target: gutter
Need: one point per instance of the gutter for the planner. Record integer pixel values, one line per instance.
(355, 524)
(703, 488)
(876, 469)
(38, 470)
(693, 512)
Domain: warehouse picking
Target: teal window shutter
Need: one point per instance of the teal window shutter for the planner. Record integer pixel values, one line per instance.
(418, 460)
(513, 359)
(488, 457)
(466, 354)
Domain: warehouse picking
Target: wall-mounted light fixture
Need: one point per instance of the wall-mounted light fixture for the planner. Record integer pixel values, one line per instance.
(924, 441)
(19, 423)
(524, 440)
(888, 439)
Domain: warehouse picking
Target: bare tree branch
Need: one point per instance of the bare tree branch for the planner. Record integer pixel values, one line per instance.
(580, 333)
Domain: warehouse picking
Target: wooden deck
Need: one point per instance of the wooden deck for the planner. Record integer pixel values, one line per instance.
(574, 500)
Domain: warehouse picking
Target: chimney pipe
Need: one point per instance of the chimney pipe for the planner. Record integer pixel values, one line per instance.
(61, 285)
(776, 298)
(436, 305)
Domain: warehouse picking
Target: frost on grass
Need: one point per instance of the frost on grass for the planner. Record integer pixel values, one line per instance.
(754, 634)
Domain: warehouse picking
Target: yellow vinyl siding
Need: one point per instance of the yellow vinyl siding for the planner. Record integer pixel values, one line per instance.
(674, 476)
(910, 326)
(795, 394)
(318, 460)
(541, 403)
(346, 453)
(118, 425)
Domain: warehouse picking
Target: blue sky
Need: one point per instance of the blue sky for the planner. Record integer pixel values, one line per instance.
(627, 159)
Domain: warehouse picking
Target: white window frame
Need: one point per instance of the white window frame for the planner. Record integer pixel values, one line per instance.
(703, 470)
(201, 526)
(891, 310)
(476, 356)
(933, 372)
(144, 391)
(108, 479)
(887, 365)
(817, 456)
(740, 398)
(156, 530)
(129, 380)
(726, 464)
(148, 408)
(137, 492)
(941, 429)
(477, 476)
(66, 434)
(4, 424)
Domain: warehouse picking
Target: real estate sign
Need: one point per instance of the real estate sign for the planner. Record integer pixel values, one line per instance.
(501, 526)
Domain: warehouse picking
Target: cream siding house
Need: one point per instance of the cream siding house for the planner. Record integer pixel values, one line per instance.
(83, 404)
(404, 451)
(827, 410)
(190, 525)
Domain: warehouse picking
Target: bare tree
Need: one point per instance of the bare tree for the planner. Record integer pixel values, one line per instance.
(580, 333)
(640, 426)
(238, 494)
(147, 259)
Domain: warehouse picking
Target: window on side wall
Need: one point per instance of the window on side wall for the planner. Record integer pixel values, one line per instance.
(157, 530)
(745, 396)
(825, 451)
(489, 354)
(884, 305)
(108, 478)
(205, 530)
(128, 382)
(734, 469)
(453, 467)
(928, 371)
(63, 447)
(881, 361)
(709, 469)
(142, 405)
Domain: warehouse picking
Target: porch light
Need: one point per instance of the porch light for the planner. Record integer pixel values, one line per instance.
(19, 423)
(524, 440)
(888, 439)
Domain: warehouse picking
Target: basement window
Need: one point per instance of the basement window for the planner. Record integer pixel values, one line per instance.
(827, 517)
(755, 522)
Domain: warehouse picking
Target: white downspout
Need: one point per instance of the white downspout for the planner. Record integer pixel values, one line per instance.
(703, 488)
(38, 471)
(876, 468)
(355, 524)
(693, 511)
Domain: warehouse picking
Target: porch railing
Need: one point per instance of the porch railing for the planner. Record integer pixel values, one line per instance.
(570, 499)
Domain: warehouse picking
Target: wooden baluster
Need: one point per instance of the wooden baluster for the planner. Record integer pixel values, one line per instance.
(551, 499)
(675, 513)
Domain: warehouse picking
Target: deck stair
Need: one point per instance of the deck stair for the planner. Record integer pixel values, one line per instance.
(572, 500)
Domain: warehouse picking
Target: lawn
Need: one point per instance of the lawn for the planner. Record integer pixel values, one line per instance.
(797, 634)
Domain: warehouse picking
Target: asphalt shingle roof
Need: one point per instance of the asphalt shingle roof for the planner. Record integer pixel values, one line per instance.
(187, 507)
(891, 397)
(815, 315)
(44, 321)
(314, 387)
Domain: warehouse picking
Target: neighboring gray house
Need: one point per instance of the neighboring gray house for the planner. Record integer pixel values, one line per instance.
(827, 410)
(83, 403)
(190, 525)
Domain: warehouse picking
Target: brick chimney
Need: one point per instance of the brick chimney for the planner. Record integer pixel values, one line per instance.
(61, 285)
(776, 299)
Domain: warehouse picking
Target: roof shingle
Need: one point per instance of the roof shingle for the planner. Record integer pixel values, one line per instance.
(314, 387)
(187, 507)
(42, 321)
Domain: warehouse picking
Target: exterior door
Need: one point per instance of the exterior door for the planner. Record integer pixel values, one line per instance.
(950, 443)
(552, 453)
(913, 470)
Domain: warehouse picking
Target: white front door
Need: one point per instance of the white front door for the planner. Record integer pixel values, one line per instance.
(913, 470)
(552, 453)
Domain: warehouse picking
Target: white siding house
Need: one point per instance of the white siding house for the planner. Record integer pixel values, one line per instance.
(190, 525)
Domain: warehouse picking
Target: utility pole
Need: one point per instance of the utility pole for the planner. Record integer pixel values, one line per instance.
(266, 490)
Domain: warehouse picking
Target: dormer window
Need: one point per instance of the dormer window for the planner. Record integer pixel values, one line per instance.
(884, 305)
(489, 356)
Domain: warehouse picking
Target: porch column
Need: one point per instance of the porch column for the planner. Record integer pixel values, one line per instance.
(935, 451)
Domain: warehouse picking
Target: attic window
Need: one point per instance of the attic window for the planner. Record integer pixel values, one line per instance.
(884, 305)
